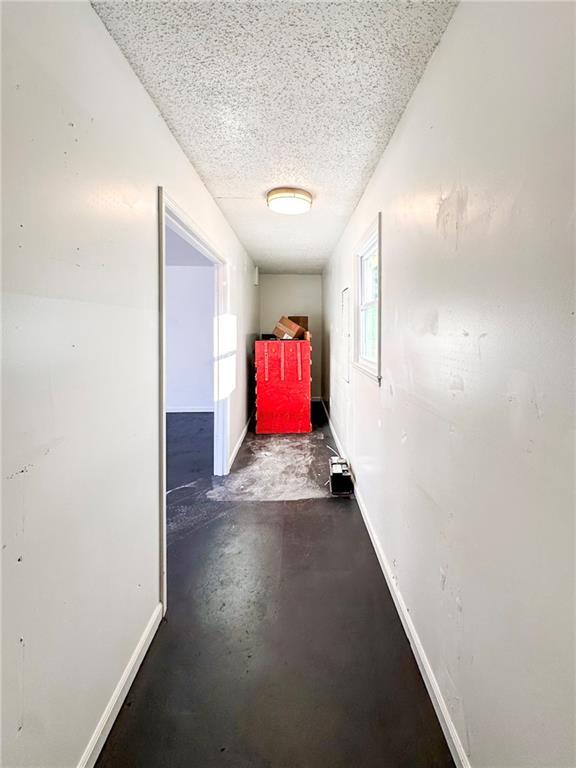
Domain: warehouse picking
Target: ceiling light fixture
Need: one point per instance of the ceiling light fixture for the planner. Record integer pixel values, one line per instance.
(289, 200)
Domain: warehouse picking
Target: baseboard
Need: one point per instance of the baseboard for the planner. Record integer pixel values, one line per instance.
(334, 433)
(238, 444)
(191, 409)
(106, 722)
(442, 712)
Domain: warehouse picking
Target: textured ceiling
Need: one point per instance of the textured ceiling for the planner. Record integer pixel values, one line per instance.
(265, 94)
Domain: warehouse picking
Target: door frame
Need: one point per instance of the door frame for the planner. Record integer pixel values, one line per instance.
(170, 214)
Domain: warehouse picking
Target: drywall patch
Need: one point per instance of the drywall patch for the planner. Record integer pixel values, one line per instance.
(443, 578)
(23, 471)
(481, 338)
(427, 322)
(452, 215)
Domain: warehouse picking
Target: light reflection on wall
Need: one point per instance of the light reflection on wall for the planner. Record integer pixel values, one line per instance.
(420, 209)
(226, 334)
(454, 210)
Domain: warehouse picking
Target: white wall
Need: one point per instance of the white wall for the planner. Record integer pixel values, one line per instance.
(84, 151)
(464, 457)
(189, 338)
(295, 295)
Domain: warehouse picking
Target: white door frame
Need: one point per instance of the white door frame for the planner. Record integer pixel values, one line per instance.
(170, 214)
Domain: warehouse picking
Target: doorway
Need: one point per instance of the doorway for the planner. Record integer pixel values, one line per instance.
(193, 413)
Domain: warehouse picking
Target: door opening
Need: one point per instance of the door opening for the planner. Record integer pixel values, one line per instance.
(193, 413)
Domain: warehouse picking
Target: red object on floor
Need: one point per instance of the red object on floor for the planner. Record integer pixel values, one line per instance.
(282, 387)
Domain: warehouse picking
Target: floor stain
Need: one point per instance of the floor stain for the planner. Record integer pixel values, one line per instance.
(268, 468)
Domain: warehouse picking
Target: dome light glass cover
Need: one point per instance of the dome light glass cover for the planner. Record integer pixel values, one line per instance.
(289, 200)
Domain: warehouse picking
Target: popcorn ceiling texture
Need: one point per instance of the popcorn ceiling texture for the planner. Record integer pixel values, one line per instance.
(265, 94)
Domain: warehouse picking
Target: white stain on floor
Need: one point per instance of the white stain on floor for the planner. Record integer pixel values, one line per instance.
(277, 468)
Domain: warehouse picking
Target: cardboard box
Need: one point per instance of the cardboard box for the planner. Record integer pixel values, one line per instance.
(286, 329)
(301, 320)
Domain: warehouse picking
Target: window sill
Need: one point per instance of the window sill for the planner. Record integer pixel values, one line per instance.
(371, 373)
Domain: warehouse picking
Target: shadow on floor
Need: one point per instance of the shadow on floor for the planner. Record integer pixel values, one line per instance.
(282, 647)
(189, 447)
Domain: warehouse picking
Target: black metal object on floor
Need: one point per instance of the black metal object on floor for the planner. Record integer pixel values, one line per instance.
(341, 483)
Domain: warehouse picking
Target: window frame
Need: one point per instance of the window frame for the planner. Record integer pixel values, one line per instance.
(346, 332)
(370, 244)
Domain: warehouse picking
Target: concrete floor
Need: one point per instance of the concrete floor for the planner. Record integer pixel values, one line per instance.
(189, 448)
(282, 647)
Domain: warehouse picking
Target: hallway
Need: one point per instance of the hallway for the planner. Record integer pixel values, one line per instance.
(282, 646)
(226, 210)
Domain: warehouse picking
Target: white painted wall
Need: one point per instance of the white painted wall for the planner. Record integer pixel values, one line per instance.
(295, 295)
(464, 458)
(84, 150)
(189, 307)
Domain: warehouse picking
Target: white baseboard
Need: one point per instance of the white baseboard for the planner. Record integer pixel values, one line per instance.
(106, 722)
(453, 740)
(442, 712)
(238, 444)
(192, 409)
(335, 434)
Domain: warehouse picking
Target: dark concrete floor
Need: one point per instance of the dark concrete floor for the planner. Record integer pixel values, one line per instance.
(282, 647)
(189, 447)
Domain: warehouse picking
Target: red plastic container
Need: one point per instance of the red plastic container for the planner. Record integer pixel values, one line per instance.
(282, 387)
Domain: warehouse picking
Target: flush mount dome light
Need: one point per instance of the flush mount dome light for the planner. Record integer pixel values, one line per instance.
(289, 200)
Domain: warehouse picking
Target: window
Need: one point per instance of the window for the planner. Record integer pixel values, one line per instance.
(368, 319)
